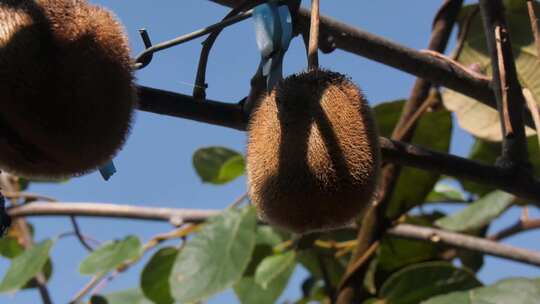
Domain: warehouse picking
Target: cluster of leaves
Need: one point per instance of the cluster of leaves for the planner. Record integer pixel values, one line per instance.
(232, 251)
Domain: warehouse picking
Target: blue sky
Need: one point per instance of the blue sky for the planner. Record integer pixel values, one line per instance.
(154, 168)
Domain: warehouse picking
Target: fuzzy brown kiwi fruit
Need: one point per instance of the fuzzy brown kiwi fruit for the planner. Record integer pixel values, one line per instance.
(66, 87)
(313, 155)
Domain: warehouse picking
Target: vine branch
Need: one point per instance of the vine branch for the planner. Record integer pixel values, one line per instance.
(197, 216)
(232, 116)
(467, 242)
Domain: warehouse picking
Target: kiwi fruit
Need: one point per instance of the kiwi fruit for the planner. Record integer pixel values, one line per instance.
(66, 87)
(313, 156)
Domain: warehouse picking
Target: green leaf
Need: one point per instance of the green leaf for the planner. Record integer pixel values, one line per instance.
(311, 259)
(272, 266)
(443, 192)
(477, 214)
(246, 289)
(514, 290)
(471, 260)
(434, 132)
(155, 276)
(267, 235)
(395, 253)
(131, 296)
(216, 257)
(218, 165)
(10, 247)
(25, 266)
(420, 282)
(111, 255)
(266, 239)
(47, 272)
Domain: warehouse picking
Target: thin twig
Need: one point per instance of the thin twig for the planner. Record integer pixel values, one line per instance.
(99, 281)
(503, 86)
(534, 25)
(27, 196)
(467, 242)
(85, 237)
(519, 227)
(180, 233)
(464, 32)
(94, 281)
(408, 126)
(313, 50)
(366, 256)
(79, 235)
(506, 87)
(239, 200)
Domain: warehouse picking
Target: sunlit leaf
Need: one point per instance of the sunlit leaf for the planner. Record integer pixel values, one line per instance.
(111, 255)
(218, 165)
(215, 258)
(477, 118)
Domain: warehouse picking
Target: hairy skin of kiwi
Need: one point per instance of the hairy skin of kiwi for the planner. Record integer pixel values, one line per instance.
(66, 87)
(313, 155)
